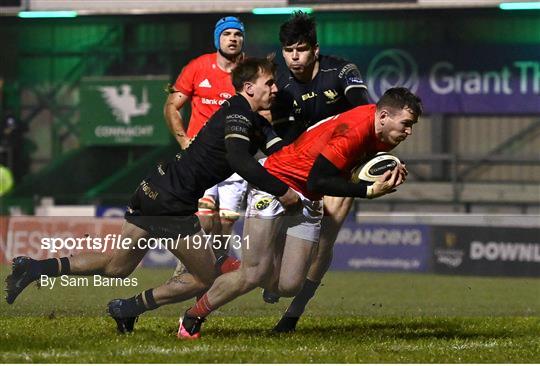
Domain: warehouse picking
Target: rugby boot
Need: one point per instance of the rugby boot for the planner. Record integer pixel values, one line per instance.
(190, 327)
(286, 325)
(124, 314)
(270, 297)
(24, 271)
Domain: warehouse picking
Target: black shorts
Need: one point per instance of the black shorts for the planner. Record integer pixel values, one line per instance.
(160, 213)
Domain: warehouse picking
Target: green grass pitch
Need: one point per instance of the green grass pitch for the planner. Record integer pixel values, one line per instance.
(355, 317)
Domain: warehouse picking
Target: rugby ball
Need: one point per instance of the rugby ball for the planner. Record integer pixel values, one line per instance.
(374, 168)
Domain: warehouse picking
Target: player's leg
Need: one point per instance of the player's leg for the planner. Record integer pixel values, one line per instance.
(208, 209)
(336, 211)
(197, 256)
(117, 263)
(208, 217)
(295, 262)
(258, 246)
(231, 192)
(270, 291)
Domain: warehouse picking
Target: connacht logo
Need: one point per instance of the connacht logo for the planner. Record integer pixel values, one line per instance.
(123, 103)
(391, 68)
(331, 94)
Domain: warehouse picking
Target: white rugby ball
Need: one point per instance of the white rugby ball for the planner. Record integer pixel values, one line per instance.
(374, 168)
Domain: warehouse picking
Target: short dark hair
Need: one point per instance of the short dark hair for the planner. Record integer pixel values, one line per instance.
(400, 98)
(299, 29)
(249, 68)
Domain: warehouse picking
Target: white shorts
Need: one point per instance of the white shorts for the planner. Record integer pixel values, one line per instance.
(229, 195)
(304, 224)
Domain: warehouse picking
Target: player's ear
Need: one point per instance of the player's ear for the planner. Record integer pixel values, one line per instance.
(317, 50)
(249, 88)
(383, 115)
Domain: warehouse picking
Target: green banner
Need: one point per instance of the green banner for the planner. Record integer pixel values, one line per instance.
(123, 110)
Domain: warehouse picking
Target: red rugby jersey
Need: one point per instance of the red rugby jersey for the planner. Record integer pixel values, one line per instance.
(346, 140)
(207, 85)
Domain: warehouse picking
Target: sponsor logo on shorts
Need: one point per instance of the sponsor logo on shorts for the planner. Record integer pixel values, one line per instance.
(148, 191)
(263, 203)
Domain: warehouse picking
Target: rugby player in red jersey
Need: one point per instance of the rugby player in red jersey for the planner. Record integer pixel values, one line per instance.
(316, 164)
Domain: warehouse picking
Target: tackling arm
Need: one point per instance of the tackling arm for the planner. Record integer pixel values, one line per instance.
(244, 164)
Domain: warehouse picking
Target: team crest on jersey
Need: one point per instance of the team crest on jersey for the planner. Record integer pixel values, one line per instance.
(263, 203)
(331, 95)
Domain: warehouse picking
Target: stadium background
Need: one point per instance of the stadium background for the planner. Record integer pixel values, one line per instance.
(471, 206)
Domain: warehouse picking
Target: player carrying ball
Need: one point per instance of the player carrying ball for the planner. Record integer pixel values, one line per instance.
(317, 163)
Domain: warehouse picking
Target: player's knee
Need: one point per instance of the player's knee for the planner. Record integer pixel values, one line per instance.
(289, 288)
(253, 277)
(117, 271)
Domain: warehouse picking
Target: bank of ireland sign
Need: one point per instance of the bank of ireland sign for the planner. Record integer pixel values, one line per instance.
(126, 110)
(481, 79)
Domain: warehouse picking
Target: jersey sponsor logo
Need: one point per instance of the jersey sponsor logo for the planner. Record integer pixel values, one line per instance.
(348, 68)
(148, 191)
(354, 80)
(263, 203)
(209, 101)
(205, 84)
(391, 68)
(241, 129)
(237, 117)
(123, 103)
(225, 95)
(309, 96)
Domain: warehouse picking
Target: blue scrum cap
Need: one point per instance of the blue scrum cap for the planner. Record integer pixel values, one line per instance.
(226, 23)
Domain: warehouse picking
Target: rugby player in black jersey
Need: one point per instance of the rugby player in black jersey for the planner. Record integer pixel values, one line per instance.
(165, 202)
(313, 87)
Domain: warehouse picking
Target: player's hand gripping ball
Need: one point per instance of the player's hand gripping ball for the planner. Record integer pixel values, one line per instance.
(374, 168)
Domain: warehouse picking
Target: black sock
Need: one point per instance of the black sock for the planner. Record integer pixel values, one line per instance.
(66, 267)
(298, 305)
(140, 304)
(51, 267)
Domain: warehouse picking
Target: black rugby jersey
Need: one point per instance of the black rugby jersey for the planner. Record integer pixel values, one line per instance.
(204, 163)
(299, 105)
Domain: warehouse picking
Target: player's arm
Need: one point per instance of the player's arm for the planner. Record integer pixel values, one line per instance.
(172, 111)
(237, 143)
(272, 142)
(353, 85)
(325, 178)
